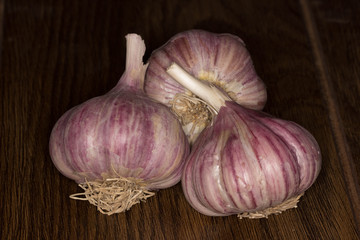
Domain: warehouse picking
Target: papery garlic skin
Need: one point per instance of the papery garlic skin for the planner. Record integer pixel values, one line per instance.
(123, 133)
(248, 161)
(221, 59)
(95, 139)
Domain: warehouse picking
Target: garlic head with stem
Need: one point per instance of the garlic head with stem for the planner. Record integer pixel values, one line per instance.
(246, 162)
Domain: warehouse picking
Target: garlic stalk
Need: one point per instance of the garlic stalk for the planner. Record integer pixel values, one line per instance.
(203, 90)
(221, 60)
(247, 162)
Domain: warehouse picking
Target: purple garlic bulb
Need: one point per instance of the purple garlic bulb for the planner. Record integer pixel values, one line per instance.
(219, 59)
(249, 163)
(122, 145)
(245, 162)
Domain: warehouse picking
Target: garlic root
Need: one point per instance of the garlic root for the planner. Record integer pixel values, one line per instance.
(113, 195)
(193, 113)
(288, 204)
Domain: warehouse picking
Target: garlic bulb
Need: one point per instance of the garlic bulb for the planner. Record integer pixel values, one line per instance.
(120, 146)
(246, 162)
(220, 59)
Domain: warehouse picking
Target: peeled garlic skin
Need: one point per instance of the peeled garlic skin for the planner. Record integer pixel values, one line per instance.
(120, 134)
(218, 58)
(248, 161)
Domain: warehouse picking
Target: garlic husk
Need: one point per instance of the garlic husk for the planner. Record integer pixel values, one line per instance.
(220, 59)
(122, 145)
(247, 162)
(127, 135)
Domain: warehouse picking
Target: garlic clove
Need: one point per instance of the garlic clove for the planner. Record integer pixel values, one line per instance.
(302, 144)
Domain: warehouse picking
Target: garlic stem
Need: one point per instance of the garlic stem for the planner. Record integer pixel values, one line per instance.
(206, 91)
(134, 67)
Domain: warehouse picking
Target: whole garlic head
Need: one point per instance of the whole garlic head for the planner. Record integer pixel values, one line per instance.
(246, 162)
(249, 163)
(219, 59)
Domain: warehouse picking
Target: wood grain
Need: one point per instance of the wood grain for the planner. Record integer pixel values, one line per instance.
(329, 81)
(57, 54)
(1, 24)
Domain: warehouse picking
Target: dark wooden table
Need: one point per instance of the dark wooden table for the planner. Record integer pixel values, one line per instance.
(57, 54)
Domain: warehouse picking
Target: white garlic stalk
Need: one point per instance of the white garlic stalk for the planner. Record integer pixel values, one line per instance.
(247, 162)
(219, 59)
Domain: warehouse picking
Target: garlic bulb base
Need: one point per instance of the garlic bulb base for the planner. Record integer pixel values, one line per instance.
(193, 113)
(288, 204)
(113, 195)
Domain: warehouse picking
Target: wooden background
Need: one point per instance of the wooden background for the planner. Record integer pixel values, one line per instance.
(56, 54)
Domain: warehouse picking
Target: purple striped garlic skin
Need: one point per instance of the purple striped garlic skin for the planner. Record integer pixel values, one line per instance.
(248, 161)
(221, 59)
(122, 134)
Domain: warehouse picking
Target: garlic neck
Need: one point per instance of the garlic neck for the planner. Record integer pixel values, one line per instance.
(134, 75)
(206, 91)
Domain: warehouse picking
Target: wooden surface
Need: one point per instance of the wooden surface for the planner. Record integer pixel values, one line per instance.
(57, 54)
